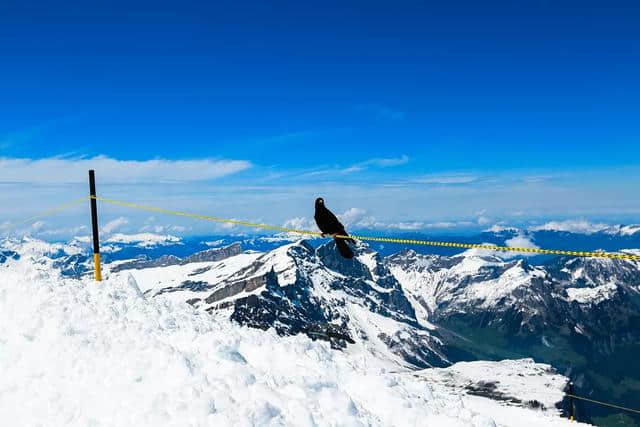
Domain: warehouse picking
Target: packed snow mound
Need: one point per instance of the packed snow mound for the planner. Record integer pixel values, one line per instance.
(77, 352)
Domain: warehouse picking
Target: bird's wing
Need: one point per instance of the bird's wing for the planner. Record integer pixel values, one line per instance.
(335, 224)
(327, 221)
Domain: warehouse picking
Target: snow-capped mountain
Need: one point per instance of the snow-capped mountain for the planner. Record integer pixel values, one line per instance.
(298, 289)
(214, 254)
(110, 354)
(470, 285)
(567, 235)
(586, 227)
(524, 300)
(582, 315)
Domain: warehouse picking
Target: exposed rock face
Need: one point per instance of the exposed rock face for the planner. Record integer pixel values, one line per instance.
(299, 289)
(7, 254)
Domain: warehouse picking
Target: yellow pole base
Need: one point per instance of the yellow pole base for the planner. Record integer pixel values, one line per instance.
(96, 263)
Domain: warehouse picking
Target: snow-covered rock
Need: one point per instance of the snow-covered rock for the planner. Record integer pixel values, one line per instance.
(514, 383)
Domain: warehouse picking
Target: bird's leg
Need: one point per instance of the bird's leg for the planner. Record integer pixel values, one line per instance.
(323, 234)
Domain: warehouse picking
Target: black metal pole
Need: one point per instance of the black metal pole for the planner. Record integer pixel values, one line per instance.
(94, 225)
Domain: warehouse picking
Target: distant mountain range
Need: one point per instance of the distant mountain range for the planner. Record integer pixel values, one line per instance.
(564, 235)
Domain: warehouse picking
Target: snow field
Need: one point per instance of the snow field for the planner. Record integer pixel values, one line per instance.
(86, 354)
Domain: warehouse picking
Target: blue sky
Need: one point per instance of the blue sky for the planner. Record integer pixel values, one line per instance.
(464, 113)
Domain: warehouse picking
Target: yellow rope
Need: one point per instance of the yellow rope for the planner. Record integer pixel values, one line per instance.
(372, 238)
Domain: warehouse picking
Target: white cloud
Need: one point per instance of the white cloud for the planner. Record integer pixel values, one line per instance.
(361, 166)
(418, 225)
(447, 179)
(390, 162)
(521, 241)
(227, 225)
(358, 218)
(301, 223)
(406, 226)
(483, 220)
(64, 232)
(44, 230)
(352, 169)
(498, 228)
(572, 225)
(352, 216)
(113, 225)
(163, 228)
(379, 163)
(37, 226)
(407, 206)
(441, 224)
(57, 170)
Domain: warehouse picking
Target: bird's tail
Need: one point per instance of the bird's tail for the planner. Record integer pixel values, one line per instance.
(344, 248)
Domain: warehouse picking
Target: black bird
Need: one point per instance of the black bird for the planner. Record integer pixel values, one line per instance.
(329, 224)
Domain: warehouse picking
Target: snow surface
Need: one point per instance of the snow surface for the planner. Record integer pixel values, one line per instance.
(518, 241)
(592, 295)
(522, 379)
(156, 278)
(369, 259)
(81, 353)
(491, 291)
